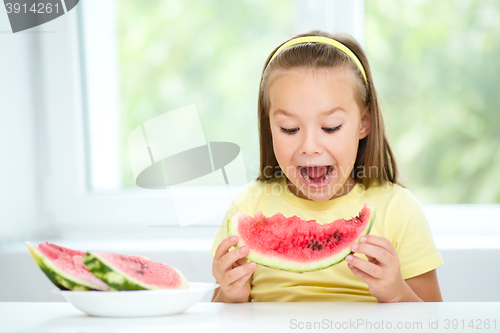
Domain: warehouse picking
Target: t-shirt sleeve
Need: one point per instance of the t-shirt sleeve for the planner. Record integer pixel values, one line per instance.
(222, 233)
(412, 237)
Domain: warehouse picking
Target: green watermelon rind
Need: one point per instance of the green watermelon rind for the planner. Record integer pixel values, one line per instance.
(313, 266)
(58, 277)
(116, 278)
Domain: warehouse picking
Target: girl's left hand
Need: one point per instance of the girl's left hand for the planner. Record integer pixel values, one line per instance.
(382, 271)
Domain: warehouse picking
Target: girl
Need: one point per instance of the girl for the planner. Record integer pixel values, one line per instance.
(323, 154)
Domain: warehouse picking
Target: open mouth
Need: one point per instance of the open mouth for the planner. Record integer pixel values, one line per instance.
(316, 175)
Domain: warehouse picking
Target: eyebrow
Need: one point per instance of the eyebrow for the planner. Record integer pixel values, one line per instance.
(325, 113)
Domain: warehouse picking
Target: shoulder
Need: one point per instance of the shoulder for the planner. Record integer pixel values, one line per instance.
(399, 204)
(402, 199)
(258, 188)
(392, 194)
(255, 191)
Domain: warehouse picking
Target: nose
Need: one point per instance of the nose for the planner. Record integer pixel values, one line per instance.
(311, 144)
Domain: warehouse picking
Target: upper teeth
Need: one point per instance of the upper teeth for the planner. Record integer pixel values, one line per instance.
(306, 176)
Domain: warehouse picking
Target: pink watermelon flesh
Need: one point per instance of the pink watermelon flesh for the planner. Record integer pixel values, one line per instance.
(145, 272)
(297, 245)
(70, 262)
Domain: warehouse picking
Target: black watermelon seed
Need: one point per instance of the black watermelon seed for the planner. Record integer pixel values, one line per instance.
(320, 246)
(340, 238)
(336, 234)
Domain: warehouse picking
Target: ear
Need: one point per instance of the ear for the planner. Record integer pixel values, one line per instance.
(364, 128)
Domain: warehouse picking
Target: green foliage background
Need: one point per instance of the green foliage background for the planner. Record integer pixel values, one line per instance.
(435, 65)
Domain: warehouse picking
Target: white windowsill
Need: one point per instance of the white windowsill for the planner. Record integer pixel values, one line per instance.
(193, 245)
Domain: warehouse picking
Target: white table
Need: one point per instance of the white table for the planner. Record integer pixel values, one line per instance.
(260, 317)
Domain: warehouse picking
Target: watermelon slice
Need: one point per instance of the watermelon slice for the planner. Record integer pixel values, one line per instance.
(293, 244)
(124, 272)
(65, 268)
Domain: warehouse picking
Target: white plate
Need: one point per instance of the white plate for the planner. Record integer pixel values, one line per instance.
(137, 303)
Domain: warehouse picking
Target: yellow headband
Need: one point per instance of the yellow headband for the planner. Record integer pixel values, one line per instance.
(324, 40)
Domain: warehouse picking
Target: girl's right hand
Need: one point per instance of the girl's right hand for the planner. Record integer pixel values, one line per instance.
(232, 271)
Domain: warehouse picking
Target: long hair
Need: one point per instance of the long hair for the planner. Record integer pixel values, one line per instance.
(374, 150)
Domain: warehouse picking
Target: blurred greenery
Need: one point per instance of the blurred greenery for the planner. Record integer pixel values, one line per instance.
(209, 53)
(434, 64)
(436, 67)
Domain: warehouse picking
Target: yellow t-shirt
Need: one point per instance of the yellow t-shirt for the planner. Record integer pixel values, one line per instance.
(399, 218)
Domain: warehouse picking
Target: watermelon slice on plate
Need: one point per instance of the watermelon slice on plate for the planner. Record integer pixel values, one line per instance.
(297, 245)
(76, 270)
(65, 268)
(124, 272)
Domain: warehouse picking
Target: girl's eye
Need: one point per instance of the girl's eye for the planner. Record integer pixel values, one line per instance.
(330, 129)
(289, 130)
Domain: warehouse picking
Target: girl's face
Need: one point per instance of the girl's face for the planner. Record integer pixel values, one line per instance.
(316, 126)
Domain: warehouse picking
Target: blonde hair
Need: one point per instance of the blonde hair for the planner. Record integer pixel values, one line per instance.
(373, 150)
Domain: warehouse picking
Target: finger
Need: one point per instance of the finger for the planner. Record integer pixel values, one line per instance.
(224, 246)
(365, 266)
(361, 275)
(239, 272)
(244, 279)
(379, 241)
(227, 260)
(373, 252)
(241, 262)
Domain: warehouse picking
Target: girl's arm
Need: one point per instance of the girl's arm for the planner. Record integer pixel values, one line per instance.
(424, 288)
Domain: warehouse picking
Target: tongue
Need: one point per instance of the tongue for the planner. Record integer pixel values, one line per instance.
(316, 172)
